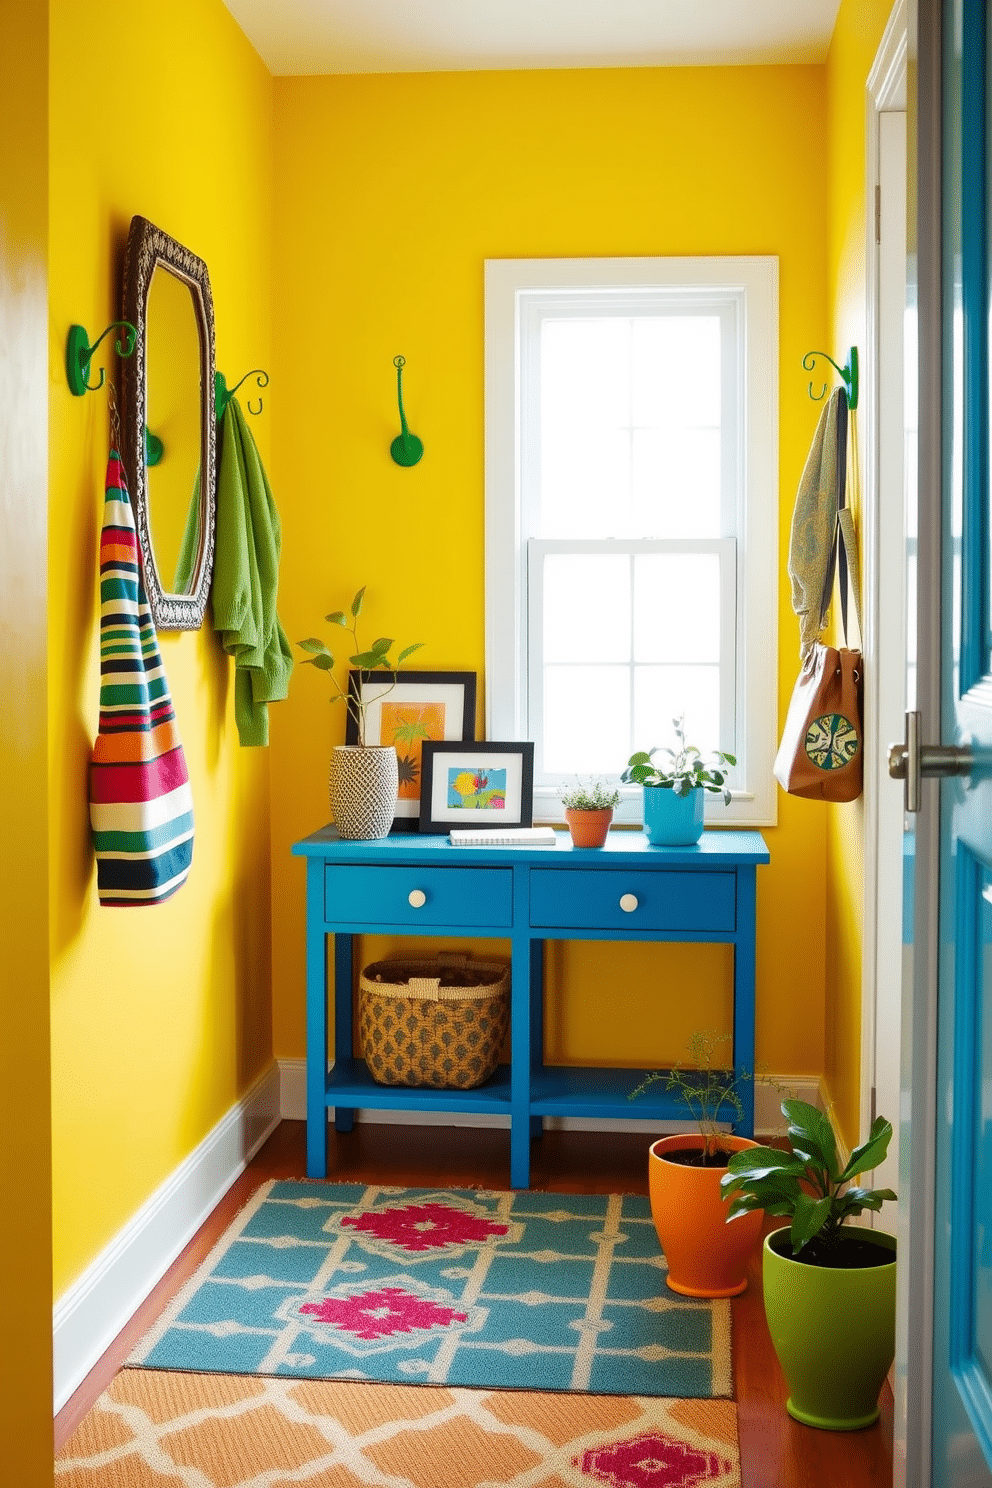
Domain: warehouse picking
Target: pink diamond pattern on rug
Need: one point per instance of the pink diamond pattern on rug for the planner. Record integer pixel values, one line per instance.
(423, 1226)
(651, 1462)
(381, 1314)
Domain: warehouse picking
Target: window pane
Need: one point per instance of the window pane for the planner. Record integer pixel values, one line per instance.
(585, 417)
(585, 483)
(677, 607)
(675, 482)
(662, 693)
(586, 607)
(586, 720)
(675, 370)
(630, 427)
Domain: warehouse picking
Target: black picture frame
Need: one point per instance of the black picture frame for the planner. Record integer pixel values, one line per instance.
(454, 691)
(440, 760)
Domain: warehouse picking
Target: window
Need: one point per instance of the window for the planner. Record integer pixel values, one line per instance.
(632, 515)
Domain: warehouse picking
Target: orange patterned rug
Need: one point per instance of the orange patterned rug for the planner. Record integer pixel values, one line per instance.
(154, 1429)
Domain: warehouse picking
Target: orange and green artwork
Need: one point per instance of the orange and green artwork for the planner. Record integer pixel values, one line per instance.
(477, 790)
(407, 725)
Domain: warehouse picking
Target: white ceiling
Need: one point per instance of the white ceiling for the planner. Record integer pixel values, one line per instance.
(306, 37)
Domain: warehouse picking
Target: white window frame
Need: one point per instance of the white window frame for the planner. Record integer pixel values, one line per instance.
(513, 287)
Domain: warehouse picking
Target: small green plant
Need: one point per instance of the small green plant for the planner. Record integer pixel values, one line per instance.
(376, 658)
(709, 1090)
(682, 769)
(594, 796)
(807, 1183)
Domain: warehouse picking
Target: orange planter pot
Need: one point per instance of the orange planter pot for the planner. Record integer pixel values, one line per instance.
(707, 1257)
(589, 828)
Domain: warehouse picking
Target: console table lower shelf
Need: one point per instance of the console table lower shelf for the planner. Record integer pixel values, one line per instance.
(407, 884)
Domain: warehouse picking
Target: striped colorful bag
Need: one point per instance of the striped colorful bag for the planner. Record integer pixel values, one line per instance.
(141, 808)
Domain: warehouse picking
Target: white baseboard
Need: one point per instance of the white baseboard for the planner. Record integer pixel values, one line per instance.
(87, 1318)
(768, 1118)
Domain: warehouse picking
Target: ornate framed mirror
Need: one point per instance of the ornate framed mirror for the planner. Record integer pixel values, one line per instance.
(168, 431)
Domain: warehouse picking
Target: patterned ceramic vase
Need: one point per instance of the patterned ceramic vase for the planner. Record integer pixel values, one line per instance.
(363, 787)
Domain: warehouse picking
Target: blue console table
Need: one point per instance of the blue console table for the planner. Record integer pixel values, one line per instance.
(408, 884)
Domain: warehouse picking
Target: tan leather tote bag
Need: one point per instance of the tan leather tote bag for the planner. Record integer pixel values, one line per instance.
(821, 755)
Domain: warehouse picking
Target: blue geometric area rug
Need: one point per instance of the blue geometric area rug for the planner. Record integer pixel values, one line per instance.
(459, 1287)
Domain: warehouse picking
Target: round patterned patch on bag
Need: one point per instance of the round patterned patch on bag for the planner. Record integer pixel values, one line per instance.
(831, 741)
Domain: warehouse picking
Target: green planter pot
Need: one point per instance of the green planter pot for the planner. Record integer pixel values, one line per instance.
(834, 1333)
(671, 820)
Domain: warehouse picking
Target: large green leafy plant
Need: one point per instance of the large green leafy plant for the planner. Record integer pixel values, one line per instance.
(682, 769)
(375, 658)
(807, 1184)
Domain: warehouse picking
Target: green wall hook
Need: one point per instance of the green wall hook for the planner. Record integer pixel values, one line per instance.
(849, 373)
(154, 448)
(79, 354)
(223, 394)
(406, 448)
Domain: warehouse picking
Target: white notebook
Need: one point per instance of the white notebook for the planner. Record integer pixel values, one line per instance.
(508, 837)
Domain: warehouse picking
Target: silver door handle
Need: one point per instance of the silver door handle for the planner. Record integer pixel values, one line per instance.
(911, 761)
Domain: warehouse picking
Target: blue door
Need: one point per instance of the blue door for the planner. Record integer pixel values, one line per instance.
(962, 1314)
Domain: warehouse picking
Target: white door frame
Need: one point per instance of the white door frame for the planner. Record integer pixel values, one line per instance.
(884, 619)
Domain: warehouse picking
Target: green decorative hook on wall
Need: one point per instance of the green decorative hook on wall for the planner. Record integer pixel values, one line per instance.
(79, 354)
(223, 394)
(849, 373)
(406, 448)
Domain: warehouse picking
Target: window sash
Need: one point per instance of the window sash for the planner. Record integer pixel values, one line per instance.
(510, 284)
(535, 308)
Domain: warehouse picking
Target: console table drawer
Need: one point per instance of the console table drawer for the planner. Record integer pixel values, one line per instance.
(632, 901)
(418, 896)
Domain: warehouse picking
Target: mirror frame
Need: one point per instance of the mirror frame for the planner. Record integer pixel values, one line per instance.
(147, 247)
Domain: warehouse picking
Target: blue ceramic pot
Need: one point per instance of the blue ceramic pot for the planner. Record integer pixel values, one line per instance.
(671, 820)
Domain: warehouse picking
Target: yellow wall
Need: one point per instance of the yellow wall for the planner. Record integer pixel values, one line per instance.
(25, 1235)
(345, 220)
(160, 1016)
(857, 34)
(391, 191)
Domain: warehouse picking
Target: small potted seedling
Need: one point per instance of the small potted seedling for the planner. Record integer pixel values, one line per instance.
(364, 778)
(589, 811)
(706, 1256)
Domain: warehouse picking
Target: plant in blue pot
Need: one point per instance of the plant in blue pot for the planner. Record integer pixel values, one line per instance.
(674, 787)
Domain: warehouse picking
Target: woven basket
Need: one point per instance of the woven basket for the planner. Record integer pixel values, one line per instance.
(438, 1023)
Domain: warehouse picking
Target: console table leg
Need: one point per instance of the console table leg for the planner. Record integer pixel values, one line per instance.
(536, 1022)
(520, 1037)
(344, 1117)
(744, 979)
(316, 1023)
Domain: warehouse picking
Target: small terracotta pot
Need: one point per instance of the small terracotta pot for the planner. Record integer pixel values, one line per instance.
(707, 1257)
(589, 828)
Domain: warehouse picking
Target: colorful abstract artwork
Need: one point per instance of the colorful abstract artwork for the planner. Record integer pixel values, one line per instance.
(477, 790)
(406, 726)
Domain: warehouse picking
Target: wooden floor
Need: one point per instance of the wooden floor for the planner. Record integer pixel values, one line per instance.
(776, 1452)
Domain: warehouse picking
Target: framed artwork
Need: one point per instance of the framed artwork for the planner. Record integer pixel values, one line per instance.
(407, 709)
(476, 785)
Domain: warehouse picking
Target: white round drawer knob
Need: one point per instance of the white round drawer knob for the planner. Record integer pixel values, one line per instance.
(628, 903)
(416, 898)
